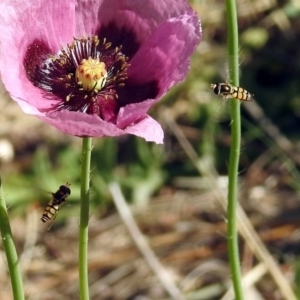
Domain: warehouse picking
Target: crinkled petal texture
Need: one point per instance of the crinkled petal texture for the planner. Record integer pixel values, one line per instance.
(157, 36)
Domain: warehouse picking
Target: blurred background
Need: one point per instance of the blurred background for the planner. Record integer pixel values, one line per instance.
(169, 187)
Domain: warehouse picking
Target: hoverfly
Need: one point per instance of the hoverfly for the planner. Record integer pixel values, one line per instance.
(229, 91)
(57, 200)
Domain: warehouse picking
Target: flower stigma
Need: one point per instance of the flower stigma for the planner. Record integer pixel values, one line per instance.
(91, 74)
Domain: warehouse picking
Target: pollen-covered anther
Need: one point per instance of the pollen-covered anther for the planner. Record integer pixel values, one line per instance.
(107, 45)
(91, 74)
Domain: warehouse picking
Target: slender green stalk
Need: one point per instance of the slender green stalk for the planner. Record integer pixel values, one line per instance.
(84, 218)
(233, 65)
(10, 250)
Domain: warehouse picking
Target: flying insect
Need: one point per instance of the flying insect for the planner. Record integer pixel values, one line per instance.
(228, 91)
(57, 200)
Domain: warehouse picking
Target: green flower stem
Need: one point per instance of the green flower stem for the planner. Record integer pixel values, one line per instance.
(84, 218)
(233, 65)
(10, 250)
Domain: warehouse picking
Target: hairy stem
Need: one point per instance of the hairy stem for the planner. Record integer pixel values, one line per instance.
(10, 250)
(84, 218)
(232, 232)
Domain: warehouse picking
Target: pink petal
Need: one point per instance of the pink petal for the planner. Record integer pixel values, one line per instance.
(87, 17)
(141, 16)
(148, 129)
(130, 113)
(80, 124)
(23, 22)
(165, 55)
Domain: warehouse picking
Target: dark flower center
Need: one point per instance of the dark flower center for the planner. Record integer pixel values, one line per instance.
(85, 75)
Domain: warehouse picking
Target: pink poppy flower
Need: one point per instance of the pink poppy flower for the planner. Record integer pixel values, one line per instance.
(95, 67)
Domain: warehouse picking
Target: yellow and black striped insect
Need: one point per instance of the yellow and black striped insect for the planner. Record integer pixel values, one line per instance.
(57, 200)
(229, 91)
